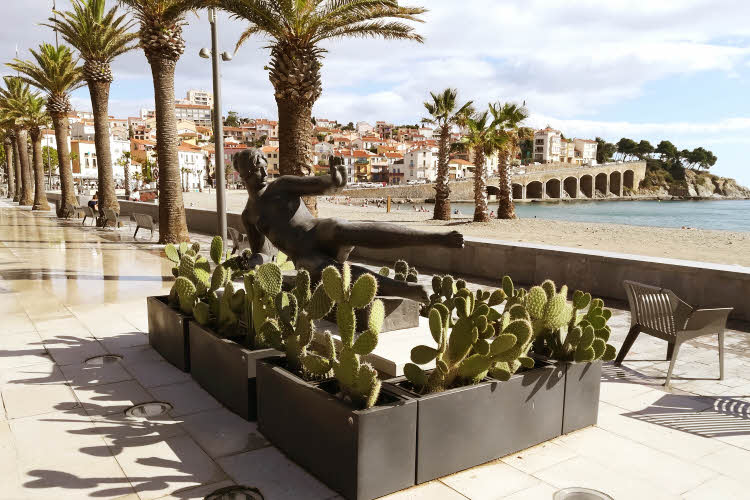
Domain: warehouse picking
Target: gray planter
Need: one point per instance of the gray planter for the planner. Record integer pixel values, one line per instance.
(168, 332)
(225, 369)
(362, 454)
(582, 386)
(468, 426)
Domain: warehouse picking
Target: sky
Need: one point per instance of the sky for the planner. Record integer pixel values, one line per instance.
(667, 69)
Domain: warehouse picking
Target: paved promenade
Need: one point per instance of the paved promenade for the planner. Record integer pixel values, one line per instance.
(69, 293)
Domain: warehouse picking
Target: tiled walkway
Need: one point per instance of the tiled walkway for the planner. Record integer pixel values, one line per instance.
(69, 293)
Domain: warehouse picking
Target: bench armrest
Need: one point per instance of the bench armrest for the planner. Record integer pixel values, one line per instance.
(715, 319)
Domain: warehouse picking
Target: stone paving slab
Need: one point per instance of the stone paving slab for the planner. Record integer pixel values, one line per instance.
(68, 293)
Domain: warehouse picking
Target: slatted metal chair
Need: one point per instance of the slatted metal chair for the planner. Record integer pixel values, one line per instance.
(88, 213)
(111, 217)
(144, 221)
(239, 240)
(659, 312)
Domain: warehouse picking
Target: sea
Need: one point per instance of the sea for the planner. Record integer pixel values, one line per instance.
(727, 215)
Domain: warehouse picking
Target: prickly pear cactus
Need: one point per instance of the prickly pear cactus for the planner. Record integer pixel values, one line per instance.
(358, 381)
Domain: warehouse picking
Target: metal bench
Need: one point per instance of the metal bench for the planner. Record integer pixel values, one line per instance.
(144, 221)
(659, 312)
(239, 240)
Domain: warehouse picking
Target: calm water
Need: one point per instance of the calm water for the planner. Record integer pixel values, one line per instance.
(729, 215)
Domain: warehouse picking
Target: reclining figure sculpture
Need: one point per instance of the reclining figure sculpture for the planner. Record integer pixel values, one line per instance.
(275, 213)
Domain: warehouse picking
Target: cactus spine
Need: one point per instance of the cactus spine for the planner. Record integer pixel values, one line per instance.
(358, 381)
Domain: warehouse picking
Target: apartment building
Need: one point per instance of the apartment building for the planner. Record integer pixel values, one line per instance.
(547, 145)
(201, 97)
(420, 164)
(193, 166)
(586, 151)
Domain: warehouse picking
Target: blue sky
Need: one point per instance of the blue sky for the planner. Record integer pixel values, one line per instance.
(673, 69)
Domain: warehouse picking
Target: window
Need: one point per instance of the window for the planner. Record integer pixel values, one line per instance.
(540, 141)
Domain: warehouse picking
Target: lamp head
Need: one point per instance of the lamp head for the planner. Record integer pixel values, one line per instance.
(205, 53)
(226, 56)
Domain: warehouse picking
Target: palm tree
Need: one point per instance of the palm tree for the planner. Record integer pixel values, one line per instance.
(35, 119)
(55, 71)
(8, 149)
(13, 99)
(161, 39)
(296, 29)
(100, 36)
(444, 115)
(482, 140)
(124, 162)
(507, 117)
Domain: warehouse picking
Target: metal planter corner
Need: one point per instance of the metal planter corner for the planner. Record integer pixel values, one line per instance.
(362, 454)
(168, 332)
(582, 387)
(226, 370)
(468, 426)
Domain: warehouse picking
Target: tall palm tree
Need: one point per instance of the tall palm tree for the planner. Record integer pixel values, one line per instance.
(124, 162)
(100, 36)
(56, 72)
(13, 99)
(37, 118)
(161, 23)
(444, 114)
(9, 158)
(482, 140)
(296, 29)
(508, 118)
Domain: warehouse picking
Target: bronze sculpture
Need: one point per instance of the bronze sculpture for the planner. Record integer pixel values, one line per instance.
(275, 213)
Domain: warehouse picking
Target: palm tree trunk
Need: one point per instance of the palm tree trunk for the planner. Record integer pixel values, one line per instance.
(505, 207)
(27, 194)
(19, 175)
(100, 104)
(442, 189)
(295, 147)
(67, 192)
(126, 170)
(40, 195)
(172, 225)
(481, 213)
(9, 162)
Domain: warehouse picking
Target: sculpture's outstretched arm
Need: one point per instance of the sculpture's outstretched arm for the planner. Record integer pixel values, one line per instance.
(311, 186)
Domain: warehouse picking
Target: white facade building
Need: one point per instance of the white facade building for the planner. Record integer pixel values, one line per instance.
(192, 166)
(547, 145)
(586, 150)
(421, 164)
(202, 97)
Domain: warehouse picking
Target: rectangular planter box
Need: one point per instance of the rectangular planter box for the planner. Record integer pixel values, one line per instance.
(168, 332)
(582, 385)
(362, 454)
(225, 369)
(468, 426)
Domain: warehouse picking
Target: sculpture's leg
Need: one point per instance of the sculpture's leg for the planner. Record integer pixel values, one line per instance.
(385, 235)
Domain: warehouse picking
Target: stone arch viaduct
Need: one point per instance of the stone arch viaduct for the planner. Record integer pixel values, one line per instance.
(561, 180)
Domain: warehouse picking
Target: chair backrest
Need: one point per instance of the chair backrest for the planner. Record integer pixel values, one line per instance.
(144, 220)
(70, 209)
(652, 307)
(110, 215)
(89, 212)
(235, 235)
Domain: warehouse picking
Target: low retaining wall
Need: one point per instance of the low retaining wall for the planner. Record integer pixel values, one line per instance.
(601, 273)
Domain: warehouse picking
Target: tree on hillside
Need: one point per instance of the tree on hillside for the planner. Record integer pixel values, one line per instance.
(55, 71)
(296, 29)
(100, 36)
(444, 113)
(232, 119)
(160, 34)
(699, 158)
(627, 148)
(668, 153)
(644, 149)
(507, 118)
(604, 150)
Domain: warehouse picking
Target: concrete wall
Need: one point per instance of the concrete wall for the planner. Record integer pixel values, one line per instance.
(601, 273)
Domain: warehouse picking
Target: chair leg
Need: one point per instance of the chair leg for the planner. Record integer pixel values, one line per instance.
(670, 351)
(721, 355)
(136, 231)
(629, 340)
(672, 363)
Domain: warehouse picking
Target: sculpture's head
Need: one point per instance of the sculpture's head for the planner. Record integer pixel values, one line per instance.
(251, 164)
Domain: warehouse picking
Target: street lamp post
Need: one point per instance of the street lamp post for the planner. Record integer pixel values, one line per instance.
(221, 207)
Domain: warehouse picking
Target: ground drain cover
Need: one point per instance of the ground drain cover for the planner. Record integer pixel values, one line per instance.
(235, 493)
(580, 494)
(103, 360)
(146, 410)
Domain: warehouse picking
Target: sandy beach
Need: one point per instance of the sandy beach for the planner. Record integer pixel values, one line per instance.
(721, 247)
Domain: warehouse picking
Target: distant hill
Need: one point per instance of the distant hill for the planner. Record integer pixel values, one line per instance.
(661, 180)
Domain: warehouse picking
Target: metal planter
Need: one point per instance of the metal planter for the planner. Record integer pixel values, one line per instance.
(225, 369)
(168, 332)
(582, 386)
(468, 426)
(362, 454)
